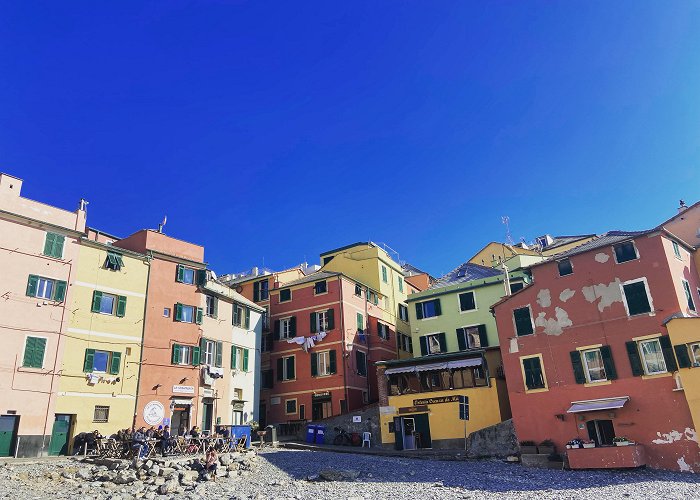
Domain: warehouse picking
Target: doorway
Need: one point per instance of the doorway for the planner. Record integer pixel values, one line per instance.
(181, 419)
(262, 410)
(601, 431)
(412, 433)
(207, 416)
(60, 434)
(321, 409)
(302, 412)
(8, 434)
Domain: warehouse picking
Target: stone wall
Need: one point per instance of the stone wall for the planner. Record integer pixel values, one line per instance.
(495, 441)
(370, 423)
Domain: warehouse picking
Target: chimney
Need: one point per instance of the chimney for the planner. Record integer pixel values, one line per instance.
(682, 207)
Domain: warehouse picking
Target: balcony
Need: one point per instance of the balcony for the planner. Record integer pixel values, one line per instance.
(607, 457)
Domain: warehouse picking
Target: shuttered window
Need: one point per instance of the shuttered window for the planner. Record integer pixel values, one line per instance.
(285, 295)
(433, 344)
(385, 277)
(184, 275)
(383, 331)
(105, 303)
(102, 361)
(403, 312)
(688, 295)
(472, 337)
(523, 321)
(534, 375)
(593, 365)
(323, 363)
(467, 301)
(34, 350)
(285, 368)
(114, 261)
(46, 288)
(361, 360)
(636, 297)
(185, 355)
(652, 356)
(53, 245)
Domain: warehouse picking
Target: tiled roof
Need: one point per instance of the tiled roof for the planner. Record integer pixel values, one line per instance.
(566, 240)
(317, 276)
(606, 239)
(465, 272)
(409, 270)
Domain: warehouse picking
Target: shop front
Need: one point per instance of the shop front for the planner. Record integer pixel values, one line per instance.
(181, 412)
(321, 406)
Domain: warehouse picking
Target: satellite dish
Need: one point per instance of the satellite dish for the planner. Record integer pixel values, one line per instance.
(239, 288)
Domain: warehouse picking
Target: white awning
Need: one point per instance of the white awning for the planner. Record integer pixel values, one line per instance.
(400, 369)
(463, 363)
(431, 366)
(598, 404)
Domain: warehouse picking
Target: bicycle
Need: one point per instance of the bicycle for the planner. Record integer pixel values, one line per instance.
(342, 438)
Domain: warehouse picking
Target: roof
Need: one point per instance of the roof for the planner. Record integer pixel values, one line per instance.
(409, 270)
(432, 358)
(319, 275)
(604, 240)
(463, 273)
(359, 243)
(566, 240)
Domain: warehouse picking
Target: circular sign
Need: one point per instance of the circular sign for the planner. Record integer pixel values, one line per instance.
(153, 413)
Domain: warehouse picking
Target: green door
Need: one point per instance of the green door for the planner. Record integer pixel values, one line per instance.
(59, 435)
(8, 430)
(423, 427)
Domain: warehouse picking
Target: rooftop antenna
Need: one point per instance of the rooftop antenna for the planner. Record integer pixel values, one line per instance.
(506, 221)
(160, 226)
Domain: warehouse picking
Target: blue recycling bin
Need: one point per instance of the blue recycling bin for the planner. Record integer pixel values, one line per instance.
(241, 430)
(320, 434)
(310, 434)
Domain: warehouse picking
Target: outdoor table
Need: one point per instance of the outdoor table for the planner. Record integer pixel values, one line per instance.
(151, 445)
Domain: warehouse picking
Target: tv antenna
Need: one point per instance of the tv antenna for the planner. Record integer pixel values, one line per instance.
(506, 221)
(160, 226)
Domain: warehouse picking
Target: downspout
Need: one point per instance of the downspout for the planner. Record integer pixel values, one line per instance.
(342, 331)
(149, 257)
(367, 336)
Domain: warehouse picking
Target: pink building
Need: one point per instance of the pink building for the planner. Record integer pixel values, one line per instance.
(38, 252)
(587, 354)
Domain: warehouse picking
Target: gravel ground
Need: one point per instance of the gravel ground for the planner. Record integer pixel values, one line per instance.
(284, 474)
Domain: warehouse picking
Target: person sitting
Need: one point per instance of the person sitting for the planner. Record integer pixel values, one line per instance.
(212, 463)
(151, 432)
(182, 430)
(194, 432)
(139, 443)
(167, 442)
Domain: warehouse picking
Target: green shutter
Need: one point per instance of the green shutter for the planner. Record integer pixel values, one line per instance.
(332, 361)
(245, 359)
(256, 291)
(178, 312)
(314, 364)
(443, 342)
(236, 315)
(293, 326)
(280, 369)
(247, 318)
(360, 321)
(89, 358)
(312, 319)
(121, 306)
(438, 308)
(635, 359)
(682, 355)
(216, 307)
(32, 284)
(419, 310)
(201, 277)
(461, 339)
(277, 329)
(59, 291)
(423, 345)
(233, 357)
(202, 348)
(200, 313)
(667, 349)
(180, 276)
(29, 347)
(219, 354)
(608, 363)
(196, 355)
(291, 374)
(331, 321)
(116, 363)
(48, 244)
(38, 354)
(577, 365)
(58, 246)
(483, 337)
(175, 357)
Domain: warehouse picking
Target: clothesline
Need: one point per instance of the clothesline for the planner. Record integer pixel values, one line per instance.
(307, 343)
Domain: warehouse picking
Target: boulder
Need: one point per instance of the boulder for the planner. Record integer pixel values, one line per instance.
(169, 487)
(225, 459)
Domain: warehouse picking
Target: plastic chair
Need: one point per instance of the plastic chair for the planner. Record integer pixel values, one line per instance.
(367, 438)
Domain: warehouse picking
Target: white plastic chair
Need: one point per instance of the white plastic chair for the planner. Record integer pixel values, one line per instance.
(366, 438)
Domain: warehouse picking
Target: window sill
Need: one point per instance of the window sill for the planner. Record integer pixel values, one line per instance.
(468, 311)
(30, 369)
(656, 375)
(594, 384)
(534, 391)
(322, 293)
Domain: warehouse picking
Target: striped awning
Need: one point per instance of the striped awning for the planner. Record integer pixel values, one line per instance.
(447, 365)
(598, 404)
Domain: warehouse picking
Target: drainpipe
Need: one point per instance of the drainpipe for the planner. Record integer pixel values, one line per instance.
(367, 336)
(149, 257)
(342, 332)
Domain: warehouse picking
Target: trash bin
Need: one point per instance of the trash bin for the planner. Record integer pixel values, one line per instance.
(320, 434)
(271, 436)
(310, 434)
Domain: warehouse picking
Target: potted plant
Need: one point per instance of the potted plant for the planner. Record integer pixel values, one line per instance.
(621, 441)
(546, 447)
(574, 443)
(589, 444)
(528, 448)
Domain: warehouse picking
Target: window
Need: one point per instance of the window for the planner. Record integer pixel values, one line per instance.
(523, 321)
(46, 288)
(266, 343)
(695, 353)
(601, 432)
(625, 252)
(185, 275)
(361, 359)
(472, 337)
(532, 373)
(385, 277)
(208, 351)
(114, 261)
(594, 367)
(433, 344)
(358, 290)
(403, 313)
(34, 349)
(688, 295)
(322, 321)
(268, 380)
(323, 363)
(240, 358)
(428, 309)
(514, 287)
(265, 319)
(287, 328)
(53, 245)
(212, 306)
(188, 314)
(166, 312)
(285, 368)
(101, 361)
(676, 250)
(636, 297)
(400, 280)
(565, 267)
(285, 295)
(185, 355)
(290, 406)
(104, 303)
(652, 357)
(101, 414)
(467, 301)
(320, 287)
(405, 342)
(261, 290)
(241, 316)
(360, 322)
(383, 331)
(372, 297)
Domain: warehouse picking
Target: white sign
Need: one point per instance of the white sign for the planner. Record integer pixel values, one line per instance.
(183, 389)
(356, 419)
(208, 393)
(275, 400)
(153, 413)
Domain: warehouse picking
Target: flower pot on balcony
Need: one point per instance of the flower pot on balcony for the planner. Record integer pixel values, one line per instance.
(622, 443)
(589, 445)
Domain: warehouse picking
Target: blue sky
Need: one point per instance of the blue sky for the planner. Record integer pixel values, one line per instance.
(279, 130)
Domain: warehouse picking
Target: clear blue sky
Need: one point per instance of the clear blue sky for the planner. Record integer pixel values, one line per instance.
(279, 130)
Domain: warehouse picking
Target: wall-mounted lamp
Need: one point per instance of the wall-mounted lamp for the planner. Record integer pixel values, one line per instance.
(560, 416)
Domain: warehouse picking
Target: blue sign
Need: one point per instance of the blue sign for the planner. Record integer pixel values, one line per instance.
(166, 421)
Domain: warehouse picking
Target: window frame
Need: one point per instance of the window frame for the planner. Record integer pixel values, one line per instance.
(211, 300)
(185, 273)
(322, 326)
(288, 323)
(400, 281)
(46, 282)
(571, 267)
(114, 261)
(403, 313)
(113, 310)
(358, 290)
(695, 356)
(359, 352)
(101, 408)
(383, 327)
(325, 358)
(422, 306)
(436, 337)
(545, 387)
(648, 293)
(166, 312)
(467, 334)
(289, 290)
(286, 406)
(515, 323)
(107, 364)
(405, 342)
(182, 313)
(634, 247)
(459, 302)
(325, 287)
(285, 360)
(657, 341)
(676, 250)
(586, 369)
(385, 274)
(205, 353)
(188, 350)
(690, 302)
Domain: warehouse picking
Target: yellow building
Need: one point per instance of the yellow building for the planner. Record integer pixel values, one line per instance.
(685, 337)
(493, 254)
(102, 346)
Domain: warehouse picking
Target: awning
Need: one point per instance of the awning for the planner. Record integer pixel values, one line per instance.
(400, 369)
(431, 366)
(598, 404)
(462, 363)
(181, 401)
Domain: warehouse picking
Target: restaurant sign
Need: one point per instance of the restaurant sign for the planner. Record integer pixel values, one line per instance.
(412, 409)
(183, 389)
(435, 401)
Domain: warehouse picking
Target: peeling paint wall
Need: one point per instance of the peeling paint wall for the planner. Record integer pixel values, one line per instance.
(606, 294)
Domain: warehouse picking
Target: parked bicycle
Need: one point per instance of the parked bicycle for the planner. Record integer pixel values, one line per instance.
(342, 437)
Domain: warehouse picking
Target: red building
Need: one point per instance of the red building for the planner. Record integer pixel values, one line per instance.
(587, 355)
